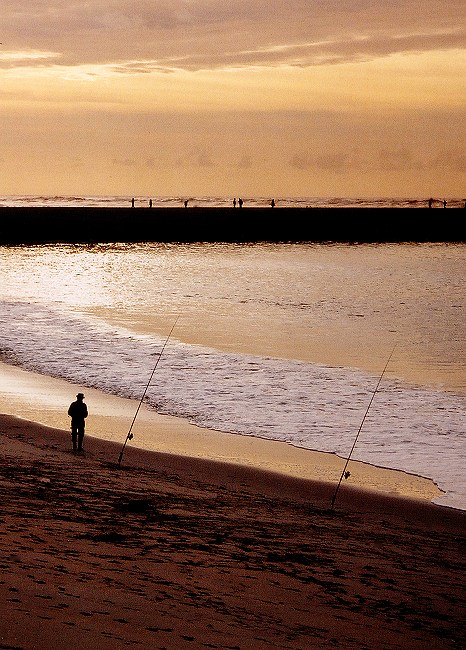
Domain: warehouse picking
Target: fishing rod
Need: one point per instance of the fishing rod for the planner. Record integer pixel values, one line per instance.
(345, 473)
(129, 435)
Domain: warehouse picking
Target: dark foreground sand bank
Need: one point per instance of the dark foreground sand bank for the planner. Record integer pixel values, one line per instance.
(88, 225)
(176, 553)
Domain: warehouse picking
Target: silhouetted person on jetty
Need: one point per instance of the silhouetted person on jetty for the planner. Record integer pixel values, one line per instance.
(150, 203)
(185, 204)
(240, 202)
(272, 203)
(234, 203)
(430, 202)
(78, 415)
(444, 203)
(132, 203)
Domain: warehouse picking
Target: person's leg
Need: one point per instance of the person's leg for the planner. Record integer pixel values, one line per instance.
(74, 437)
(80, 438)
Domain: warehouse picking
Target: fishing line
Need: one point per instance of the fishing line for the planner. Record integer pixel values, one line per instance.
(129, 435)
(345, 473)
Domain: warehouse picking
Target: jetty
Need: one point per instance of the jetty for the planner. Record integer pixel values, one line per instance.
(48, 225)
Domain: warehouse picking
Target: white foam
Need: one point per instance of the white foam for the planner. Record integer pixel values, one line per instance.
(307, 405)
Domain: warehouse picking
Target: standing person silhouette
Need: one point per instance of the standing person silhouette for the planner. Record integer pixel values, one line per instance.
(240, 201)
(78, 414)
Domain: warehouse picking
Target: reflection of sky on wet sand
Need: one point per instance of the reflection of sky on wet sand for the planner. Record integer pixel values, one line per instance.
(339, 305)
(36, 394)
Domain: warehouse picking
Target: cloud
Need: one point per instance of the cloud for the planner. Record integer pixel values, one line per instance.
(159, 35)
(245, 162)
(291, 154)
(195, 158)
(124, 162)
(336, 162)
(203, 159)
(141, 67)
(397, 159)
(385, 160)
(13, 57)
(452, 159)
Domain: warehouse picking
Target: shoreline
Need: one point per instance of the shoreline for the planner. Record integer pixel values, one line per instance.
(45, 400)
(172, 552)
(87, 225)
(220, 471)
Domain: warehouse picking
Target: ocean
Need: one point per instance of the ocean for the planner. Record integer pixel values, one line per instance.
(222, 201)
(278, 341)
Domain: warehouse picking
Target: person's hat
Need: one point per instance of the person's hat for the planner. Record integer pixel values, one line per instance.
(80, 395)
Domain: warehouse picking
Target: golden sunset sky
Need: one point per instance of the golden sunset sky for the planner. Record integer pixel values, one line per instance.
(251, 97)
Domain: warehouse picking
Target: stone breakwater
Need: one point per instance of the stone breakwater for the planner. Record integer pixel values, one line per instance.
(41, 225)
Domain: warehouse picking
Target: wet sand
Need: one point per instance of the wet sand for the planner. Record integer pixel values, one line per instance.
(46, 400)
(172, 552)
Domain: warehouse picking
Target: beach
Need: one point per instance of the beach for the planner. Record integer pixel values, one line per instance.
(168, 551)
(210, 540)
(222, 534)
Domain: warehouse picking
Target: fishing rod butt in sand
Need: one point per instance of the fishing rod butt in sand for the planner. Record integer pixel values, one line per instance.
(345, 473)
(129, 435)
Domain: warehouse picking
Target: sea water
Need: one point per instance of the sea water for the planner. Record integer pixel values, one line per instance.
(283, 341)
(223, 201)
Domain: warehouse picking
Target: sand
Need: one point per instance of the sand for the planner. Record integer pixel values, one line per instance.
(44, 399)
(209, 540)
(172, 552)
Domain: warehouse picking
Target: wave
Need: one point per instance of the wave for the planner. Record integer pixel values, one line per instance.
(307, 405)
(178, 201)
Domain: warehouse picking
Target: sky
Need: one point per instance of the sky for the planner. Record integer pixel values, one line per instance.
(246, 97)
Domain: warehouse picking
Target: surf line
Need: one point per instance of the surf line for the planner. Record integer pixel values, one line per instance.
(345, 473)
(129, 435)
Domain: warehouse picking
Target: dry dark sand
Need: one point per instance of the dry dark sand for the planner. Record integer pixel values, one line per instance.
(168, 552)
